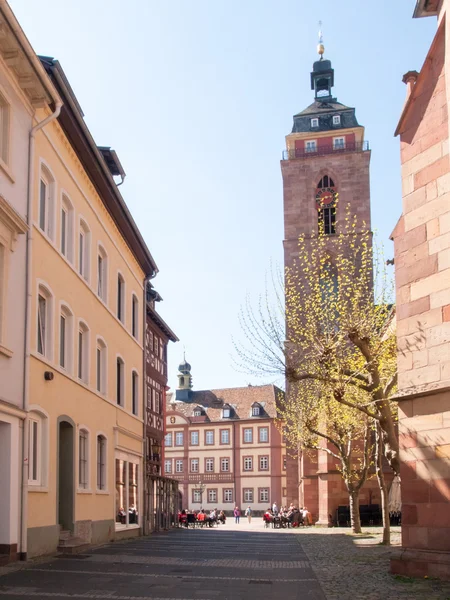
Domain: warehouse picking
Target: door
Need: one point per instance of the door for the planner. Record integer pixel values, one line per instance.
(66, 475)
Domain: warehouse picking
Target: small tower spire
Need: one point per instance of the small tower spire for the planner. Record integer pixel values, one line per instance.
(320, 46)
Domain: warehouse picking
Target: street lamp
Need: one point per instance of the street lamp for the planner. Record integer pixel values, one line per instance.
(155, 450)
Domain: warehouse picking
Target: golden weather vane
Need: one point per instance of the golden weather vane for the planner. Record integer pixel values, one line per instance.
(320, 46)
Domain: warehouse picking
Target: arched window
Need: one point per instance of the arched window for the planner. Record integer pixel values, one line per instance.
(120, 375)
(83, 352)
(326, 196)
(66, 226)
(135, 317)
(83, 459)
(101, 366)
(66, 338)
(256, 410)
(120, 298)
(45, 322)
(84, 250)
(102, 273)
(135, 393)
(47, 202)
(101, 462)
(37, 447)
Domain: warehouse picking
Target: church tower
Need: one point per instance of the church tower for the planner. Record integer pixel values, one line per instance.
(326, 158)
(325, 168)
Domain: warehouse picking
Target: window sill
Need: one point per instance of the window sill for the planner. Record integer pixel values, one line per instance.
(120, 527)
(37, 488)
(6, 351)
(102, 492)
(7, 171)
(84, 491)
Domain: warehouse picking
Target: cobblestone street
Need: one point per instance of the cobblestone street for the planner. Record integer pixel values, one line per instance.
(232, 562)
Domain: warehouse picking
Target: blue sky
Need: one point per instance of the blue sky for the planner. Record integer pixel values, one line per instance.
(196, 98)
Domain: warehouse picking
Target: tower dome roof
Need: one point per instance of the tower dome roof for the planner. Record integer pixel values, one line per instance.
(185, 367)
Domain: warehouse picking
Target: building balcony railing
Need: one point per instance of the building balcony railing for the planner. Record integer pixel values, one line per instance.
(322, 150)
(204, 477)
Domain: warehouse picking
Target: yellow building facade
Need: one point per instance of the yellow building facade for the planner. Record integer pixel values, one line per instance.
(89, 265)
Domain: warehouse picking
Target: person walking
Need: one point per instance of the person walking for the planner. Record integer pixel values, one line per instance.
(248, 514)
(237, 515)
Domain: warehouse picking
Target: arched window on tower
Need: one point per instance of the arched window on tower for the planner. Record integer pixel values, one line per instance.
(326, 197)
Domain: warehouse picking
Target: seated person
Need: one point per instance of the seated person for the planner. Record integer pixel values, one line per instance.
(222, 518)
(267, 517)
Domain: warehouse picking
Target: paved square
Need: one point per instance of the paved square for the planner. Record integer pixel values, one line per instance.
(203, 564)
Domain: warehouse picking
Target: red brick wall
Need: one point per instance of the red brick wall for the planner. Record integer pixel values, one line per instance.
(422, 261)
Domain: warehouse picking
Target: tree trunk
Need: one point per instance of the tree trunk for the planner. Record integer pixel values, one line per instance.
(354, 511)
(383, 488)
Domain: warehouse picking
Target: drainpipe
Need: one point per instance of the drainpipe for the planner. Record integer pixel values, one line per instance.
(144, 412)
(28, 295)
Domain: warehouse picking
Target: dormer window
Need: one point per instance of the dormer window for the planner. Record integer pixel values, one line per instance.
(314, 122)
(226, 413)
(336, 120)
(198, 412)
(256, 411)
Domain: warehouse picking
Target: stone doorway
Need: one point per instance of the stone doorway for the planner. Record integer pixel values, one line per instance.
(66, 473)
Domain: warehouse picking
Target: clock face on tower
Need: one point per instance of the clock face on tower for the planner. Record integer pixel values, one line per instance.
(325, 197)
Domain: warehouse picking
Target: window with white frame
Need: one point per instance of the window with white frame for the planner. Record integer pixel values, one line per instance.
(248, 495)
(47, 202)
(197, 412)
(226, 413)
(194, 465)
(311, 146)
(315, 122)
(179, 438)
(83, 459)
(83, 352)
(84, 250)
(263, 434)
(338, 143)
(194, 438)
(135, 317)
(135, 393)
(101, 358)
(196, 496)
(255, 411)
(34, 451)
(102, 274)
(120, 382)
(228, 495)
(178, 466)
(225, 436)
(168, 439)
(101, 462)
(263, 463)
(264, 495)
(225, 465)
(209, 465)
(4, 129)
(248, 436)
(168, 466)
(336, 120)
(45, 322)
(65, 338)
(209, 438)
(66, 225)
(212, 496)
(248, 463)
(120, 298)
